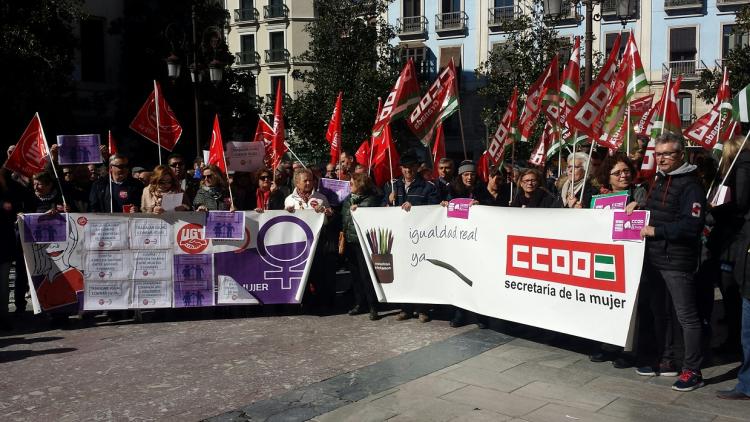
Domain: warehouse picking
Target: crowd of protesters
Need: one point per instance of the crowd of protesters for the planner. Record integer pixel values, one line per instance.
(691, 246)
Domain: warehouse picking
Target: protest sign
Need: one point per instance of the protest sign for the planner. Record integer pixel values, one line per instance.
(130, 261)
(78, 149)
(245, 156)
(170, 201)
(225, 225)
(628, 227)
(335, 190)
(542, 270)
(459, 208)
(614, 200)
(45, 228)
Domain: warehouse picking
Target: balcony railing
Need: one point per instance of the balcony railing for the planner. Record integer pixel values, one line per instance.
(247, 58)
(499, 15)
(411, 25)
(280, 11)
(568, 12)
(246, 15)
(682, 4)
(731, 2)
(277, 55)
(453, 21)
(689, 69)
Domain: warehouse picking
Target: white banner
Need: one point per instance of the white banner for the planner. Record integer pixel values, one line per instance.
(245, 156)
(555, 269)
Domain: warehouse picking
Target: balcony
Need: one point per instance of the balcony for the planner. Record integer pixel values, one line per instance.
(411, 25)
(731, 3)
(569, 12)
(670, 5)
(609, 8)
(247, 58)
(280, 11)
(501, 15)
(246, 15)
(277, 56)
(689, 69)
(453, 21)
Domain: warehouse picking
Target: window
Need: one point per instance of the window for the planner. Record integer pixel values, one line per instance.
(685, 108)
(276, 40)
(276, 3)
(450, 6)
(503, 3)
(730, 40)
(92, 50)
(411, 8)
(246, 4)
(247, 49)
(418, 54)
(564, 50)
(448, 53)
(275, 82)
(682, 45)
(502, 65)
(609, 42)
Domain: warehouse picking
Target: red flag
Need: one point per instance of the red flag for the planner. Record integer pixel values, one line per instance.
(216, 150)
(587, 115)
(640, 106)
(439, 103)
(144, 122)
(385, 159)
(278, 148)
(333, 134)
(30, 154)
(401, 99)
(438, 150)
(363, 154)
(504, 135)
(111, 145)
(661, 123)
(264, 133)
(539, 154)
(709, 128)
(547, 81)
(483, 167)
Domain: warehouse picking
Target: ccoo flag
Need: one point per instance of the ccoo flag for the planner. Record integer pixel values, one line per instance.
(439, 103)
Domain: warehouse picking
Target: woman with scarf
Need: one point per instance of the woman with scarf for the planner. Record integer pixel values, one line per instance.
(163, 181)
(531, 193)
(213, 194)
(267, 196)
(577, 181)
(362, 195)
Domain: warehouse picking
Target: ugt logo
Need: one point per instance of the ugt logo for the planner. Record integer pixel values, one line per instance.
(597, 266)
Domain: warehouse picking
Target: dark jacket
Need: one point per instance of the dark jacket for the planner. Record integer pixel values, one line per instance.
(128, 192)
(346, 213)
(212, 199)
(677, 202)
(421, 192)
(539, 199)
(12, 200)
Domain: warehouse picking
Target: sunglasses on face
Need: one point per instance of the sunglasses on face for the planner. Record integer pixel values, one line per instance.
(264, 178)
(206, 176)
(177, 164)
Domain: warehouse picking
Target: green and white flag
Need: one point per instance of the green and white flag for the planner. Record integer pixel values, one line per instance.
(741, 105)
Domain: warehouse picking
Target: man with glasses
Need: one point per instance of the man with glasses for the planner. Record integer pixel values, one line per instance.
(188, 185)
(126, 191)
(677, 203)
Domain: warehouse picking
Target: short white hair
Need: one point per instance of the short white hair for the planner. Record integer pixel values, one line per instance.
(578, 156)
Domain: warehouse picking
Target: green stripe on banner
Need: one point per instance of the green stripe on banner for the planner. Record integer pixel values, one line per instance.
(740, 105)
(604, 259)
(604, 275)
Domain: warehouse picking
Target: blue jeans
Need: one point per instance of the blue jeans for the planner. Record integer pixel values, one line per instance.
(743, 386)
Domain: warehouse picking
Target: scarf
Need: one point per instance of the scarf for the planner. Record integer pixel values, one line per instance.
(261, 198)
(577, 186)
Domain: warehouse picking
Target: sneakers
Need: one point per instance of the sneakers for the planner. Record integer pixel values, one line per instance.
(665, 369)
(356, 311)
(689, 380)
(423, 317)
(402, 316)
(374, 315)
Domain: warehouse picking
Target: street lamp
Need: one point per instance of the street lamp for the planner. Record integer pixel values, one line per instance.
(625, 9)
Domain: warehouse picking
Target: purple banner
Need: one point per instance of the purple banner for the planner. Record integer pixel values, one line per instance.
(272, 271)
(193, 281)
(628, 227)
(335, 190)
(225, 225)
(459, 208)
(45, 228)
(78, 149)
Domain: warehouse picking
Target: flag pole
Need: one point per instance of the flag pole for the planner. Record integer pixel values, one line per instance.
(512, 169)
(666, 98)
(390, 165)
(461, 125)
(109, 175)
(627, 133)
(734, 160)
(52, 163)
(286, 143)
(229, 185)
(158, 125)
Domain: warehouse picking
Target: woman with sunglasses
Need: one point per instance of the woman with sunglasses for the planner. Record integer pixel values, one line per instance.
(213, 194)
(267, 196)
(163, 181)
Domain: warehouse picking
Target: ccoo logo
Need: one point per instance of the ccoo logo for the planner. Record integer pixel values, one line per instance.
(592, 265)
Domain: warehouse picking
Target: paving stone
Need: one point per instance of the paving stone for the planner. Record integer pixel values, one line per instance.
(484, 398)
(484, 378)
(559, 413)
(562, 362)
(492, 362)
(359, 411)
(480, 415)
(728, 419)
(636, 390)
(650, 412)
(707, 402)
(568, 395)
(433, 411)
(431, 386)
(529, 372)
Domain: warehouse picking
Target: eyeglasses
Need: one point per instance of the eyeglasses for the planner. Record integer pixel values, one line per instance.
(264, 178)
(120, 166)
(176, 164)
(206, 176)
(667, 154)
(530, 181)
(623, 172)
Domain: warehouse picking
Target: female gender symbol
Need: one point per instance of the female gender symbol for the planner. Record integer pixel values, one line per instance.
(287, 258)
